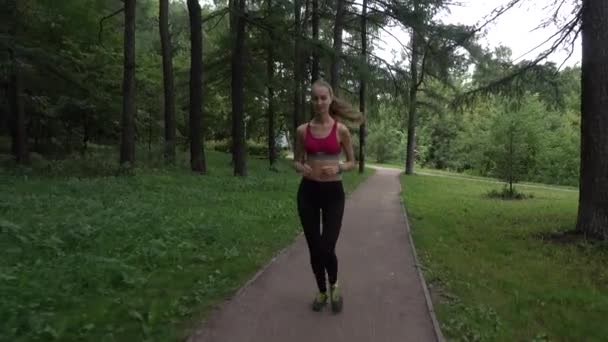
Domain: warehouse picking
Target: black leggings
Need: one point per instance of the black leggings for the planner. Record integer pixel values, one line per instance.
(316, 201)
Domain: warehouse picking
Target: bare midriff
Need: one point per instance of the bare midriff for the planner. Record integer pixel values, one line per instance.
(317, 165)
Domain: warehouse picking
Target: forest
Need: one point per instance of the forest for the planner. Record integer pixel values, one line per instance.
(78, 96)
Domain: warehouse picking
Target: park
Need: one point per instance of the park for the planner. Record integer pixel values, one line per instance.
(153, 156)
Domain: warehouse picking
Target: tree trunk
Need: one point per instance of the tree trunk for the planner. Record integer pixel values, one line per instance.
(232, 7)
(17, 120)
(411, 129)
(127, 146)
(304, 64)
(150, 119)
(165, 39)
(19, 127)
(297, 108)
(362, 88)
(593, 196)
(511, 157)
(272, 152)
(337, 53)
(197, 154)
(315, 41)
(237, 92)
(86, 133)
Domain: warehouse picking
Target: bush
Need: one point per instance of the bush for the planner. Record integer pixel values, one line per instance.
(507, 194)
(254, 148)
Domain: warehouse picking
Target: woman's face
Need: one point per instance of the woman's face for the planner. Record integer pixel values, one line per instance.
(321, 99)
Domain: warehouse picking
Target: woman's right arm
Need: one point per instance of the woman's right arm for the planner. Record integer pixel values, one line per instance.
(299, 162)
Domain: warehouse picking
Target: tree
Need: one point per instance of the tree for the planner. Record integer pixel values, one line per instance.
(238, 149)
(17, 120)
(362, 87)
(272, 151)
(386, 138)
(165, 39)
(513, 137)
(433, 53)
(593, 196)
(197, 153)
(304, 60)
(337, 50)
(315, 41)
(127, 148)
(297, 70)
(414, 84)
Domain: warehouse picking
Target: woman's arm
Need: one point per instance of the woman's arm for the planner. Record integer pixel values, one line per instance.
(347, 146)
(299, 160)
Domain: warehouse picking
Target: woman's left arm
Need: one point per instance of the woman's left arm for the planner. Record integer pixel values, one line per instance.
(347, 146)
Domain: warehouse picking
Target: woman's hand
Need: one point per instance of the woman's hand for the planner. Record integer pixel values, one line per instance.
(304, 169)
(330, 170)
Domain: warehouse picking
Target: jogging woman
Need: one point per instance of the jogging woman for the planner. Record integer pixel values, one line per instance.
(320, 198)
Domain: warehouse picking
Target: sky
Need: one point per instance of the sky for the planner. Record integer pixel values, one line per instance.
(515, 28)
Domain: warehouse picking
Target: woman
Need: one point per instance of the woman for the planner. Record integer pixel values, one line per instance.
(320, 194)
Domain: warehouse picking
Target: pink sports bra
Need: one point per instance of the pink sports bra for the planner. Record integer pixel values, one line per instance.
(322, 146)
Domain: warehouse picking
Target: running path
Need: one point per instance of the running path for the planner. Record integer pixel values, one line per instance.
(385, 299)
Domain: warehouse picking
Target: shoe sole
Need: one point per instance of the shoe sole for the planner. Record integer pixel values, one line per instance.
(317, 309)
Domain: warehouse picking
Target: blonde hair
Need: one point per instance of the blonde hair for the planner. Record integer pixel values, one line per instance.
(339, 109)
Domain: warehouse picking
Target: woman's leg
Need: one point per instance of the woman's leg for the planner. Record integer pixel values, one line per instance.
(309, 211)
(333, 211)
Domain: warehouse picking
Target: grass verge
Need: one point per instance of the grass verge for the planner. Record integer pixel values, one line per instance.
(137, 257)
(504, 270)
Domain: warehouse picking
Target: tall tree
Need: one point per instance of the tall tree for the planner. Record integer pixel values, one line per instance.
(297, 70)
(127, 146)
(362, 87)
(17, 120)
(304, 61)
(197, 154)
(165, 39)
(337, 50)
(593, 196)
(414, 84)
(272, 152)
(232, 9)
(238, 149)
(315, 41)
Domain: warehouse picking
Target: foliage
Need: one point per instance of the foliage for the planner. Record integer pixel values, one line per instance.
(386, 141)
(508, 194)
(514, 134)
(474, 138)
(98, 257)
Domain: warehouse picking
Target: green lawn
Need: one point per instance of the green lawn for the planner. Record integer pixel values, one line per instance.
(134, 258)
(492, 276)
(427, 171)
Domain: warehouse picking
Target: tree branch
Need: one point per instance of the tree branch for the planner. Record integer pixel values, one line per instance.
(497, 12)
(380, 26)
(390, 68)
(221, 12)
(568, 28)
(106, 18)
(565, 32)
(571, 49)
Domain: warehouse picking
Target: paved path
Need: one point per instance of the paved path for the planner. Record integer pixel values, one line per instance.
(384, 297)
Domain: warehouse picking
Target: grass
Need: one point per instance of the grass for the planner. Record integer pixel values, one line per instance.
(141, 257)
(494, 273)
(435, 172)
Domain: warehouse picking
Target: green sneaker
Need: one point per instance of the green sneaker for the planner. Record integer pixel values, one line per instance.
(320, 301)
(336, 298)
